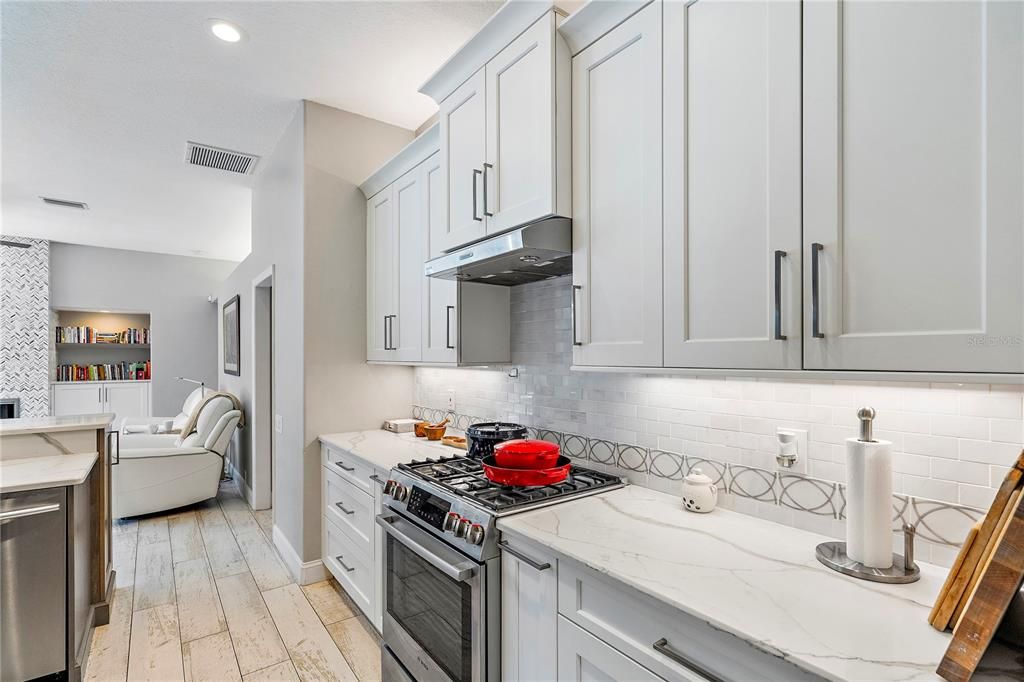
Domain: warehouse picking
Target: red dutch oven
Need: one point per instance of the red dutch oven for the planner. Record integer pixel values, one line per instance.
(526, 454)
(527, 477)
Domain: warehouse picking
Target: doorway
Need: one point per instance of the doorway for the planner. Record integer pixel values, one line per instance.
(263, 446)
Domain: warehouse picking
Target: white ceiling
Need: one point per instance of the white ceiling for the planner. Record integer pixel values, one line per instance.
(99, 98)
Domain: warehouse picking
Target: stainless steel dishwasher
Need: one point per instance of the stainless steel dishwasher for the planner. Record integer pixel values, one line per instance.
(33, 584)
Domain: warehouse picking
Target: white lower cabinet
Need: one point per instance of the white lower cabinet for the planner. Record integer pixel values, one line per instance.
(581, 656)
(352, 543)
(564, 621)
(123, 398)
(529, 613)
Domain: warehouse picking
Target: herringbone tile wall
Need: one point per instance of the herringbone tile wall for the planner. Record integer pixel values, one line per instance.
(25, 325)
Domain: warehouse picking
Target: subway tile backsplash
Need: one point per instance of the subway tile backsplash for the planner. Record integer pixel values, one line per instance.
(951, 443)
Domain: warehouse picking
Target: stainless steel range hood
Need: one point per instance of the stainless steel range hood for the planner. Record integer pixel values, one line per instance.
(527, 254)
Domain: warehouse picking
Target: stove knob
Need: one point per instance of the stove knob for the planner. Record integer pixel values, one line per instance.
(475, 535)
(389, 487)
(401, 493)
(461, 528)
(450, 522)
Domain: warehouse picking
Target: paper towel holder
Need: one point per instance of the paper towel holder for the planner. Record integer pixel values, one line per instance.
(903, 569)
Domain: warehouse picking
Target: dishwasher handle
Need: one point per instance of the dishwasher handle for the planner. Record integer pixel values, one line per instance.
(29, 511)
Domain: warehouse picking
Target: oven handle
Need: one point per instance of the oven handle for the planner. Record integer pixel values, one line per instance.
(422, 543)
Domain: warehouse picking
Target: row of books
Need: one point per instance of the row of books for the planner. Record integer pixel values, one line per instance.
(91, 335)
(117, 371)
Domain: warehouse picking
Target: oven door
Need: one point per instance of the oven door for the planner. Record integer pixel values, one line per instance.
(434, 605)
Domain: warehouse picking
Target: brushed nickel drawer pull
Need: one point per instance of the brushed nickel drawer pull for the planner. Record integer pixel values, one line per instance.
(343, 564)
(522, 557)
(343, 467)
(340, 506)
(663, 647)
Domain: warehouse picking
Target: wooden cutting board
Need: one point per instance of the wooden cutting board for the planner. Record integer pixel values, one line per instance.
(997, 587)
(972, 560)
(958, 566)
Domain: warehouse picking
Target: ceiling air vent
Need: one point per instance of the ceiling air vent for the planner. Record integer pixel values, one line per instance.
(221, 159)
(80, 205)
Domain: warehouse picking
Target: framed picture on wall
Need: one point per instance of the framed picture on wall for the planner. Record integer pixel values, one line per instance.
(232, 332)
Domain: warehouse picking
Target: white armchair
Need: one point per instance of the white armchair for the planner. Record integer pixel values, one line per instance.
(156, 472)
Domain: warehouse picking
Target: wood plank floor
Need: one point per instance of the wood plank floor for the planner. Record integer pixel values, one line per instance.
(203, 595)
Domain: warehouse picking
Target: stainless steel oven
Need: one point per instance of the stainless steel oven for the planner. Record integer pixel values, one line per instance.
(441, 608)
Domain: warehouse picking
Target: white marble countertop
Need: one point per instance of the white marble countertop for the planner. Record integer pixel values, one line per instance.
(753, 578)
(52, 471)
(75, 422)
(385, 450)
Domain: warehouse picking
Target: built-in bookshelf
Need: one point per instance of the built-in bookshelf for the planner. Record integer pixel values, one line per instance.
(100, 346)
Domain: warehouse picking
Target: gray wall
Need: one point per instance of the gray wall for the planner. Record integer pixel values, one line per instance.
(309, 223)
(343, 392)
(173, 289)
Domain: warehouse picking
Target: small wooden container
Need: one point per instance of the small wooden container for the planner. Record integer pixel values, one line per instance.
(434, 432)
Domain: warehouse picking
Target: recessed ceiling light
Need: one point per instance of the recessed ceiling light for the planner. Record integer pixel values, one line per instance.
(225, 30)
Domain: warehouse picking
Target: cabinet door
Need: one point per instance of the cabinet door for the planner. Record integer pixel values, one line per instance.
(617, 180)
(463, 148)
(519, 178)
(732, 184)
(382, 255)
(583, 657)
(529, 616)
(912, 186)
(84, 398)
(405, 328)
(439, 295)
(128, 399)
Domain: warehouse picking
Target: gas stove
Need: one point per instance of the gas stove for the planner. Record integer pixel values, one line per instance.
(455, 501)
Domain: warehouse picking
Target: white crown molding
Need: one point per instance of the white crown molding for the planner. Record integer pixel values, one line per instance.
(404, 161)
(512, 19)
(595, 19)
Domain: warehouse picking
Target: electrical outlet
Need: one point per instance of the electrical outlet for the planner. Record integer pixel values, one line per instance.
(451, 399)
(278, 423)
(791, 446)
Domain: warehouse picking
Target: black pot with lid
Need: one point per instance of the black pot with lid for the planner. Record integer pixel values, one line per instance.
(485, 435)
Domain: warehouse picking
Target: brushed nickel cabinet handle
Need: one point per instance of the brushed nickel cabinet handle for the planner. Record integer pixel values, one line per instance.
(486, 212)
(343, 564)
(476, 173)
(816, 249)
(340, 506)
(572, 305)
(522, 557)
(663, 647)
(779, 255)
(448, 327)
(343, 467)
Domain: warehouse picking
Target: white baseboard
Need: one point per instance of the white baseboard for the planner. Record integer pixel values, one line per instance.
(304, 572)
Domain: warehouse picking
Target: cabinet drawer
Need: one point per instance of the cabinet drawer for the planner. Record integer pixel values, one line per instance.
(349, 507)
(581, 656)
(633, 623)
(349, 564)
(352, 469)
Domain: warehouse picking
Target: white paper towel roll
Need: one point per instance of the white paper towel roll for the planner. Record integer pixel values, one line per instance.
(869, 502)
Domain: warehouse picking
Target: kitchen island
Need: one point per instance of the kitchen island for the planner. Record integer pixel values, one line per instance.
(55, 487)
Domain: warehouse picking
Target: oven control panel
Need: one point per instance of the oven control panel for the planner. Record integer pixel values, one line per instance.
(427, 507)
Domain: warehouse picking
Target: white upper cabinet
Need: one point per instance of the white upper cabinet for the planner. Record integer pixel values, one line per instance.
(505, 142)
(440, 321)
(410, 230)
(463, 147)
(617, 190)
(381, 273)
(913, 179)
(732, 184)
(527, 90)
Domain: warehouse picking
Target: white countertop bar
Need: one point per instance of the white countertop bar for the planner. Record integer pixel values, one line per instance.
(54, 471)
(76, 422)
(385, 450)
(753, 578)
